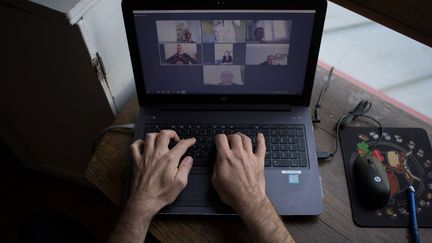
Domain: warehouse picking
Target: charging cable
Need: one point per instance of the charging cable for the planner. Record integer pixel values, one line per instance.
(101, 133)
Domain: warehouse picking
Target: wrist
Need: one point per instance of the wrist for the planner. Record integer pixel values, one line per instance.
(143, 208)
(253, 206)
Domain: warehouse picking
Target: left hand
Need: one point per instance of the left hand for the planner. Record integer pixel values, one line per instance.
(158, 174)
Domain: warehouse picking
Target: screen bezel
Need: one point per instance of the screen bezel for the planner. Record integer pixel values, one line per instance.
(150, 99)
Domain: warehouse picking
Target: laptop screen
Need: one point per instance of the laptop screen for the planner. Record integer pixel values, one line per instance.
(251, 52)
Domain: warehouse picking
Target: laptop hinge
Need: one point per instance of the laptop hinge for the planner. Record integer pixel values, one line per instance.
(225, 107)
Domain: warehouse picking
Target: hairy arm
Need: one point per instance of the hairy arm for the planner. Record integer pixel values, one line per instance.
(264, 223)
(132, 225)
(158, 178)
(238, 178)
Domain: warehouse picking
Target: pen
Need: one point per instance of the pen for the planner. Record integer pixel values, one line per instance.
(413, 217)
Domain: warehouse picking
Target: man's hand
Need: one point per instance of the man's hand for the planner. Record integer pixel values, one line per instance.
(239, 172)
(158, 177)
(238, 178)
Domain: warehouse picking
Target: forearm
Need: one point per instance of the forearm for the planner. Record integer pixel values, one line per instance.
(264, 223)
(132, 225)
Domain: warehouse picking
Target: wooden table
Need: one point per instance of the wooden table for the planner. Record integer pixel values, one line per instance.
(107, 172)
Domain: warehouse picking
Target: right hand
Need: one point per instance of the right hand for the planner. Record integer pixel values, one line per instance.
(238, 175)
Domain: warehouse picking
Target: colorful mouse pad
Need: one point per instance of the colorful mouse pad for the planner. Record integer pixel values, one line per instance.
(406, 155)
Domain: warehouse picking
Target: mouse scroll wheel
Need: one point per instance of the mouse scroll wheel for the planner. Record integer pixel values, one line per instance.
(372, 165)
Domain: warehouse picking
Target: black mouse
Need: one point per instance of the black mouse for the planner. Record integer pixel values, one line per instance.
(371, 182)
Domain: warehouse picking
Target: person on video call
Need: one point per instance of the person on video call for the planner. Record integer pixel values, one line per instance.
(180, 57)
(224, 30)
(238, 177)
(259, 34)
(270, 61)
(187, 36)
(227, 58)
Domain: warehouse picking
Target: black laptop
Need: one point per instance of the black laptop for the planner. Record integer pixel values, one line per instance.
(208, 67)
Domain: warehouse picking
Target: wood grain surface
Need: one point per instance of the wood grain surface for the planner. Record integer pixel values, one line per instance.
(107, 171)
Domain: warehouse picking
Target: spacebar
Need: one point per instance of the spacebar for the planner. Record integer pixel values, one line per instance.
(200, 163)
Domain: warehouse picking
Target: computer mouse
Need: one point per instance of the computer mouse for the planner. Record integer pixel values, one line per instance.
(371, 182)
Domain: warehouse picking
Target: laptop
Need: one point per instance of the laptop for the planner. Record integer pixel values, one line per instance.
(208, 67)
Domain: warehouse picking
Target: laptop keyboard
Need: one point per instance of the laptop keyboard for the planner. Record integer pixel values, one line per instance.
(286, 144)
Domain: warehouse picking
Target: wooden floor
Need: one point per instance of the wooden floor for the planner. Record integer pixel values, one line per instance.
(379, 57)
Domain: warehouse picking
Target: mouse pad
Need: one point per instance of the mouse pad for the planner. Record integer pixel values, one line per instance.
(406, 155)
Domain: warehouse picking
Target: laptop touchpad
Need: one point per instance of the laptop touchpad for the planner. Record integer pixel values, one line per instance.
(199, 192)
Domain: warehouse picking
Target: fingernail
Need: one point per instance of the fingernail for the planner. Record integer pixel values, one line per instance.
(189, 160)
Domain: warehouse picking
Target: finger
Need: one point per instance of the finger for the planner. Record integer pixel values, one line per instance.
(235, 142)
(222, 144)
(182, 146)
(150, 139)
(261, 147)
(135, 150)
(164, 137)
(183, 171)
(247, 143)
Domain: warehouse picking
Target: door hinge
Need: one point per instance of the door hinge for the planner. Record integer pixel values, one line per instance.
(99, 67)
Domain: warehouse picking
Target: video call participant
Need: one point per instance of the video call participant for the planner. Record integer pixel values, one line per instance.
(259, 34)
(270, 61)
(238, 177)
(227, 78)
(227, 58)
(180, 57)
(187, 36)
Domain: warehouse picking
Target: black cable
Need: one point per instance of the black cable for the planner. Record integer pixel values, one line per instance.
(323, 90)
(359, 111)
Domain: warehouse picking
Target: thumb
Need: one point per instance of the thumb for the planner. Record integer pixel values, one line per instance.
(183, 171)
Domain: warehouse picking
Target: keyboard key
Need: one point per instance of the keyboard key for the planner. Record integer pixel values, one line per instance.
(267, 163)
(267, 142)
(275, 147)
(265, 132)
(293, 155)
(267, 155)
(284, 140)
(301, 144)
(284, 155)
(284, 147)
(198, 155)
(274, 140)
(281, 163)
(291, 133)
(300, 133)
(303, 159)
(294, 163)
(292, 147)
(199, 163)
(275, 155)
